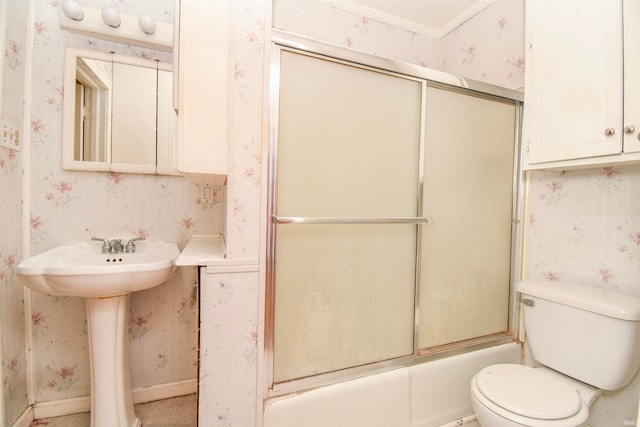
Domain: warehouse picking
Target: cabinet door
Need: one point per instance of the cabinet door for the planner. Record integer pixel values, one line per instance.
(631, 82)
(203, 85)
(573, 97)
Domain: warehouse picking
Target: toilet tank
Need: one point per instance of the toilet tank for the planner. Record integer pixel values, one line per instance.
(589, 334)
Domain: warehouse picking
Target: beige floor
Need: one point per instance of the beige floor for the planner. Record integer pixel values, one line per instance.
(174, 412)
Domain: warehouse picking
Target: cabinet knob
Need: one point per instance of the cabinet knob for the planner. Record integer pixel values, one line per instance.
(629, 129)
(609, 131)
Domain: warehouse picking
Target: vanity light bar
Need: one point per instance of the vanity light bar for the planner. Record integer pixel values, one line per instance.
(107, 23)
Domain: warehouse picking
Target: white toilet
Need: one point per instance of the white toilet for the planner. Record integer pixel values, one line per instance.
(584, 339)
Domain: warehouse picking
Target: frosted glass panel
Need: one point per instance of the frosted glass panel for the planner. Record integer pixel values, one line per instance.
(348, 146)
(466, 246)
(344, 297)
(348, 140)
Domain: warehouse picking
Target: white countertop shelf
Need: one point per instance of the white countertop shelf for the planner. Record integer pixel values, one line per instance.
(210, 251)
(203, 250)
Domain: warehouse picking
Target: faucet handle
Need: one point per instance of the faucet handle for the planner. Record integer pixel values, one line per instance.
(131, 246)
(106, 246)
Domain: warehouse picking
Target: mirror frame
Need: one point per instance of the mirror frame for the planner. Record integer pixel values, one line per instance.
(69, 113)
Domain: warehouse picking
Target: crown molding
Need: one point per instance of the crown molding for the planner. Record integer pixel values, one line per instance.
(469, 13)
(383, 17)
(435, 33)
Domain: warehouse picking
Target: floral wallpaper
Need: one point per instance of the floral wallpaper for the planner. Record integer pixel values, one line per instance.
(584, 225)
(229, 388)
(70, 206)
(65, 207)
(12, 315)
(319, 21)
(13, 353)
(489, 47)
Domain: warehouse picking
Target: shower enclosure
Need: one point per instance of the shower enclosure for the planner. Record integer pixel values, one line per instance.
(392, 204)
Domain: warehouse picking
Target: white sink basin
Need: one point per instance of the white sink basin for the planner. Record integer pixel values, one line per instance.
(81, 270)
(105, 280)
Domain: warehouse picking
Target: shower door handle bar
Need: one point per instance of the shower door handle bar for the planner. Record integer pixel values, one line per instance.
(346, 220)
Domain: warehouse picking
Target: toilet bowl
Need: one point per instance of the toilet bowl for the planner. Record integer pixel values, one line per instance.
(508, 395)
(584, 339)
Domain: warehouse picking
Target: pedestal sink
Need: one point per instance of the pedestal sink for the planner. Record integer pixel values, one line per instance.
(105, 280)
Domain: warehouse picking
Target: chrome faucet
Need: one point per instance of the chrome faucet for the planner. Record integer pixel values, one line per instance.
(110, 246)
(116, 246)
(131, 246)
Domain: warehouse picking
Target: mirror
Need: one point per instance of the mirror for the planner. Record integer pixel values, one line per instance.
(118, 114)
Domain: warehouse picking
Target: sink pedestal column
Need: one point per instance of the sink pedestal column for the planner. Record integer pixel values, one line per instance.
(111, 398)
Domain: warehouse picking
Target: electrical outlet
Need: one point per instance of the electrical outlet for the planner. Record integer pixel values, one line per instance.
(10, 136)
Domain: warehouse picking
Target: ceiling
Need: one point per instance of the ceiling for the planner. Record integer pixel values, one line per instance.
(432, 17)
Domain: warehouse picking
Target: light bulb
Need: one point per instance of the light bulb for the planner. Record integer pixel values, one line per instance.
(147, 24)
(111, 17)
(73, 10)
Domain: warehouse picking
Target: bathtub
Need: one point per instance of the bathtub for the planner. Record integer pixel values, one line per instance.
(429, 394)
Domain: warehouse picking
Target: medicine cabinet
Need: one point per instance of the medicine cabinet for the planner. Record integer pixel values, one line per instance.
(118, 114)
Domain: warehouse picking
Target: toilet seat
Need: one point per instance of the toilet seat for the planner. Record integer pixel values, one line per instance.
(525, 391)
(526, 396)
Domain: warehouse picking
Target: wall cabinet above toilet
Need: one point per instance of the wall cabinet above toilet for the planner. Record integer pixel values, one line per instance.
(582, 100)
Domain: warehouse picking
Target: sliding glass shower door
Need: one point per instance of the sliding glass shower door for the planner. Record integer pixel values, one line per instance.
(392, 202)
(468, 197)
(346, 208)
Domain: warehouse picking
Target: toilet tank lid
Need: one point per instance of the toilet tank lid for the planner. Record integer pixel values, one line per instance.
(587, 298)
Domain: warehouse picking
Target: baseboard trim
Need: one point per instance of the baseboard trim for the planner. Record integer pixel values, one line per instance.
(164, 391)
(25, 419)
(56, 408)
